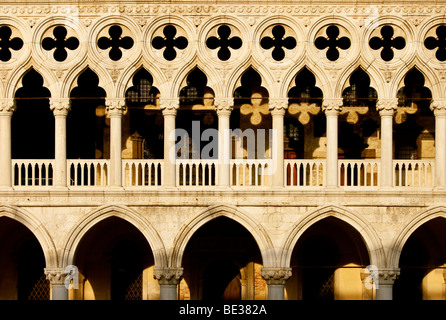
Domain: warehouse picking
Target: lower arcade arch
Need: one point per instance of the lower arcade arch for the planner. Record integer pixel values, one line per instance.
(422, 264)
(23, 262)
(327, 262)
(222, 261)
(115, 262)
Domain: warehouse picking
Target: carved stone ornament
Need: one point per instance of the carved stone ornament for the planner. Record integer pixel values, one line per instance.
(388, 276)
(169, 106)
(332, 106)
(115, 106)
(277, 276)
(60, 106)
(7, 106)
(303, 111)
(224, 106)
(56, 276)
(168, 276)
(438, 107)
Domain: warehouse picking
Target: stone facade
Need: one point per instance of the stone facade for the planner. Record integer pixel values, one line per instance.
(347, 190)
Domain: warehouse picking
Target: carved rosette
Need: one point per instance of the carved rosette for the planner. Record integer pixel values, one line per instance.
(60, 106)
(115, 106)
(276, 276)
(168, 276)
(7, 106)
(439, 107)
(169, 106)
(57, 276)
(387, 107)
(278, 107)
(332, 107)
(224, 106)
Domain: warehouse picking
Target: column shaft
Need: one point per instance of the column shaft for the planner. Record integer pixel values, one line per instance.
(169, 108)
(278, 108)
(223, 108)
(332, 107)
(60, 108)
(386, 110)
(115, 108)
(276, 279)
(168, 279)
(439, 108)
(384, 286)
(7, 107)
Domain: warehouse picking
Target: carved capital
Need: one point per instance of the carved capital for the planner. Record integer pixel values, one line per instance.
(169, 106)
(7, 106)
(60, 106)
(388, 276)
(332, 106)
(57, 276)
(224, 106)
(438, 106)
(115, 106)
(387, 107)
(168, 276)
(276, 275)
(278, 106)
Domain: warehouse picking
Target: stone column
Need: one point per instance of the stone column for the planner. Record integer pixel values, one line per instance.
(386, 108)
(60, 108)
(169, 108)
(275, 279)
(115, 108)
(224, 107)
(384, 287)
(439, 109)
(332, 108)
(7, 107)
(168, 279)
(57, 276)
(277, 108)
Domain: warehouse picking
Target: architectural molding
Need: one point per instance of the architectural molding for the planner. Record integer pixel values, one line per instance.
(168, 276)
(276, 276)
(115, 106)
(60, 106)
(7, 106)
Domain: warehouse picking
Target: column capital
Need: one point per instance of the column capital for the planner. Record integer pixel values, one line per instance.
(438, 106)
(168, 276)
(387, 276)
(57, 276)
(276, 276)
(169, 106)
(332, 106)
(224, 106)
(7, 106)
(278, 106)
(387, 107)
(115, 106)
(60, 106)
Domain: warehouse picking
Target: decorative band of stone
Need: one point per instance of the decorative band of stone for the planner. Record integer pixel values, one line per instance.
(168, 276)
(276, 276)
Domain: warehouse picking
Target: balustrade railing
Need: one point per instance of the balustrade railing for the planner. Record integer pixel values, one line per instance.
(414, 173)
(196, 172)
(32, 172)
(250, 172)
(81, 172)
(304, 173)
(142, 172)
(358, 173)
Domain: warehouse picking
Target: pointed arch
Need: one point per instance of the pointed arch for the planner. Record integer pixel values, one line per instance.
(376, 79)
(408, 229)
(368, 234)
(38, 230)
(75, 236)
(254, 228)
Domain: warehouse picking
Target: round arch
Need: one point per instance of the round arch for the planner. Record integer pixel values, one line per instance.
(408, 229)
(38, 230)
(368, 234)
(254, 228)
(74, 237)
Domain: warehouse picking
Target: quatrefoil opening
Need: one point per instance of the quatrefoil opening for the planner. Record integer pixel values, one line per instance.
(60, 43)
(333, 42)
(115, 42)
(387, 42)
(224, 42)
(438, 43)
(169, 42)
(278, 41)
(6, 43)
